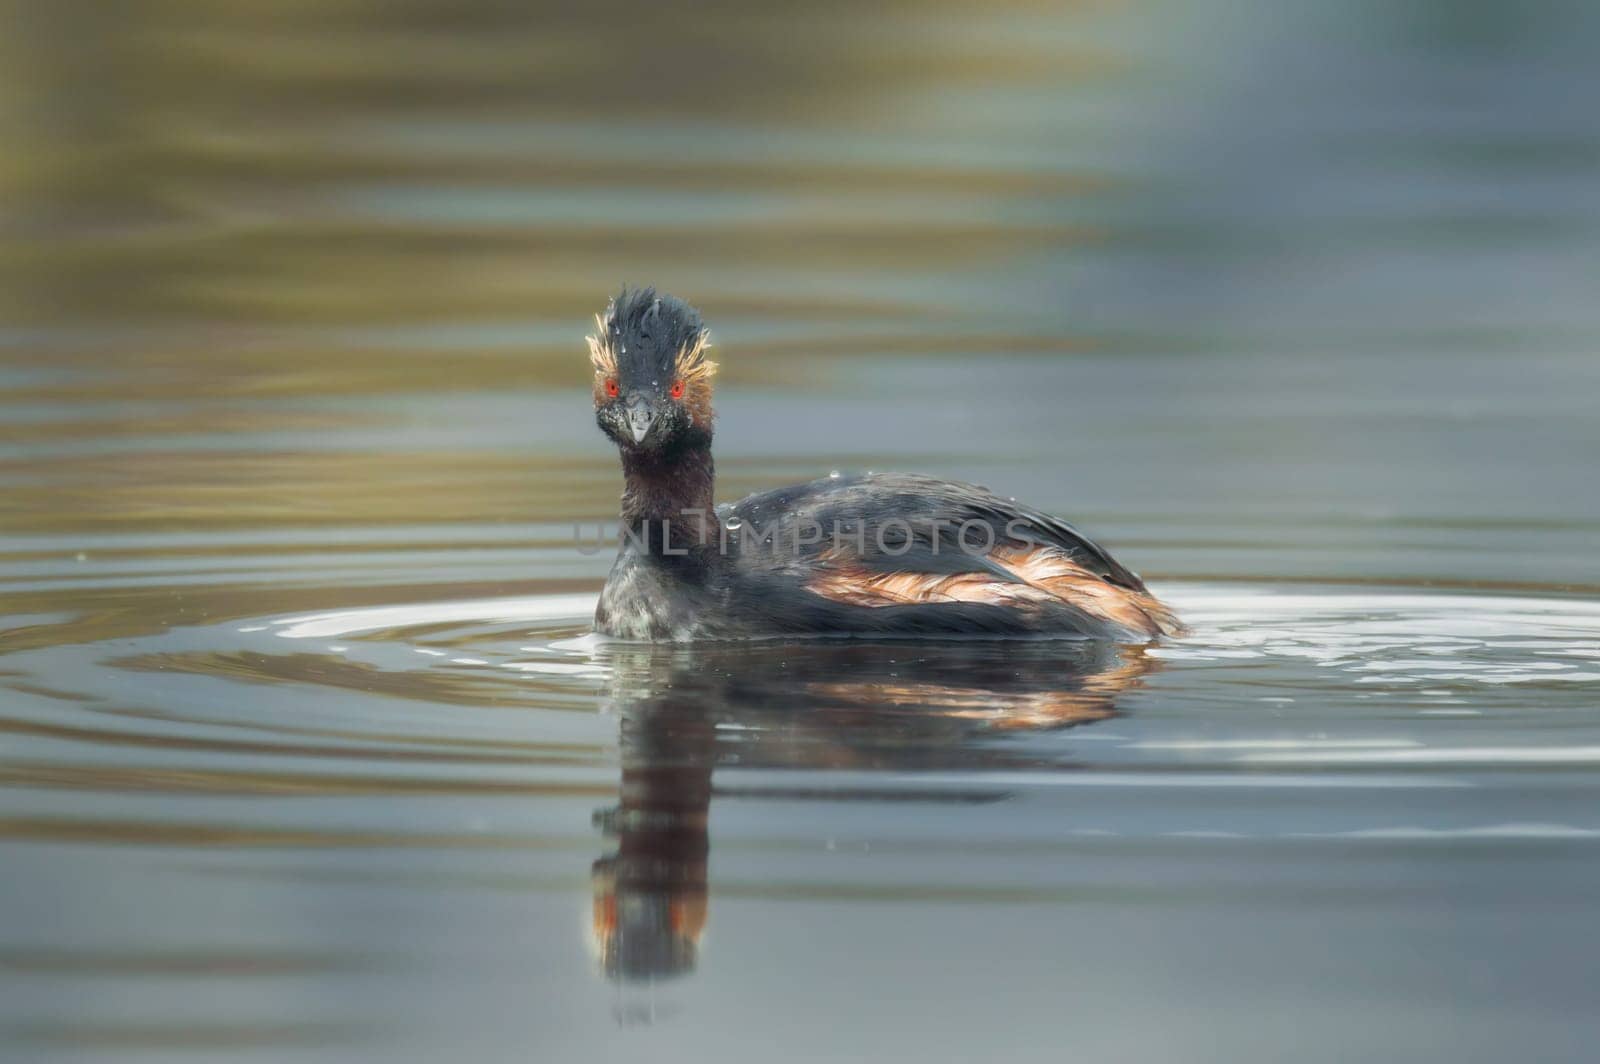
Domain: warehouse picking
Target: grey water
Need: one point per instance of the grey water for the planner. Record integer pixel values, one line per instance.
(306, 753)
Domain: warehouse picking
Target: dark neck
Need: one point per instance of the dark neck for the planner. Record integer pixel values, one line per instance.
(675, 488)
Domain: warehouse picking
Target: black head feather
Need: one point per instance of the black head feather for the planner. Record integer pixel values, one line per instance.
(644, 332)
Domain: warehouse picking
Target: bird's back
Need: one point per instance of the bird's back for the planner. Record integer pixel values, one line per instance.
(902, 554)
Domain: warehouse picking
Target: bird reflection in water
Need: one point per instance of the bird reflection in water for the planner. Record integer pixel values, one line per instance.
(843, 706)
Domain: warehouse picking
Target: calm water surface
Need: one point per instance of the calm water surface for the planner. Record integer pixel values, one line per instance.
(305, 752)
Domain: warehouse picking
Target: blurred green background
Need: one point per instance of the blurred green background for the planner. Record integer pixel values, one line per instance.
(236, 201)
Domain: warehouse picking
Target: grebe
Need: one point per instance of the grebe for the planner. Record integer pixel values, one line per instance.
(874, 555)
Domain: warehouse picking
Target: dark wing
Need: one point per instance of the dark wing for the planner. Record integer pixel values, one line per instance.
(896, 540)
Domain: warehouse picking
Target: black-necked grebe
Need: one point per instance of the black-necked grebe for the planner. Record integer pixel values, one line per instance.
(881, 554)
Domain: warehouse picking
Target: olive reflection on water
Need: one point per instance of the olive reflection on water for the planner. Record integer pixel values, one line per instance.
(851, 706)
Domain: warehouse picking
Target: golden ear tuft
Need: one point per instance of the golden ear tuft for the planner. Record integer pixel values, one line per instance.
(692, 365)
(600, 353)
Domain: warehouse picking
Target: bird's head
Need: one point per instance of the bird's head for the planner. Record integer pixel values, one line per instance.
(652, 380)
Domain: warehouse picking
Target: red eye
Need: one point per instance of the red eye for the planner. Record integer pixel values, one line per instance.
(611, 387)
(677, 389)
